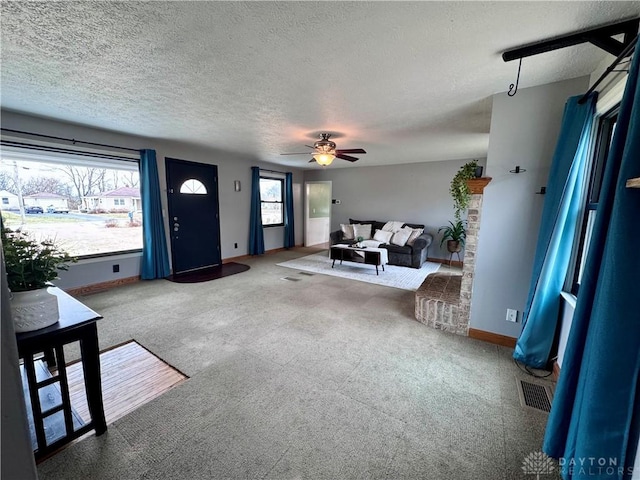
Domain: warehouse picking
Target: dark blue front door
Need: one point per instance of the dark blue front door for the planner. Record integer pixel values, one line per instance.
(193, 214)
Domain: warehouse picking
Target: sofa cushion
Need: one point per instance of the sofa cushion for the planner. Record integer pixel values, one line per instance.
(375, 225)
(362, 230)
(392, 226)
(382, 236)
(413, 225)
(407, 250)
(347, 231)
(400, 237)
(415, 233)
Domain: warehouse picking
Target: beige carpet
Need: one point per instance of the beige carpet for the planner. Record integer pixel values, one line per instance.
(324, 378)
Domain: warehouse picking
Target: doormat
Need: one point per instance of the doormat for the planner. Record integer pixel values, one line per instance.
(211, 273)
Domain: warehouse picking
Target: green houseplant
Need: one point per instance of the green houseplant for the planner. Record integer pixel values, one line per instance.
(459, 189)
(30, 265)
(455, 234)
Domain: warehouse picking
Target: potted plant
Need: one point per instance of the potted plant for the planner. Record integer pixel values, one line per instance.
(459, 189)
(30, 266)
(455, 235)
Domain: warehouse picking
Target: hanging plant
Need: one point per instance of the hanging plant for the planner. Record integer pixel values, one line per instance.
(459, 189)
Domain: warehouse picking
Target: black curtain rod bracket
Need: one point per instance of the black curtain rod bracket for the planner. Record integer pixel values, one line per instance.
(601, 37)
(629, 50)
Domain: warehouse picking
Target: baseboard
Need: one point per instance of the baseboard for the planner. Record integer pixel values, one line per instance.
(494, 338)
(556, 371)
(102, 286)
(267, 252)
(454, 263)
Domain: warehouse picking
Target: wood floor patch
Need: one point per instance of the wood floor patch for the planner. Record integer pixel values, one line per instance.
(131, 376)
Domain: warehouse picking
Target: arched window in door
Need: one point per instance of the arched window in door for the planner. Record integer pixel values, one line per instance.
(193, 187)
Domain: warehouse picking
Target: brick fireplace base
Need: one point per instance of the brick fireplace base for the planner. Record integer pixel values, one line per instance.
(437, 303)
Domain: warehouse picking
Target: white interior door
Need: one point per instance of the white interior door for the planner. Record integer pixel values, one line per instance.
(317, 213)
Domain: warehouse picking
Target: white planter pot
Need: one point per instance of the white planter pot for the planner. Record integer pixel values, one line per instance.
(34, 310)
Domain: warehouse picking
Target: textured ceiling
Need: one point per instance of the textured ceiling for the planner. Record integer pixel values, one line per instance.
(407, 81)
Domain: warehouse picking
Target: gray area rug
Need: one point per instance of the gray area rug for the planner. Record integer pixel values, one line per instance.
(393, 276)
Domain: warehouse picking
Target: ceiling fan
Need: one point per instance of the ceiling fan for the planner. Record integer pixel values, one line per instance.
(324, 151)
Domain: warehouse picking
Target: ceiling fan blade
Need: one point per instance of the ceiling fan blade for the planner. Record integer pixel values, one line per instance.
(312, 160)
(351, 150)
(309, 146)
(303, 153)
(347, 158)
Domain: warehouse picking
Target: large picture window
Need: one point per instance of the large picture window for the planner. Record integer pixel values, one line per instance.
(91, 207)
(271, 197)
(606, 128)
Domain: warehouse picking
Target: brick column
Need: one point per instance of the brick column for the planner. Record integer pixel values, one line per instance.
(443, 301)
(469, 263)
(474, 211)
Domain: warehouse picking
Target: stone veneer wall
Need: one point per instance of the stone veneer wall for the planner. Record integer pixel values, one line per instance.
(469, 263)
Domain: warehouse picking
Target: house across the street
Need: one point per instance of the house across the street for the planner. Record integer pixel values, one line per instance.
(8, 200)
(123, 198)
(47, 201)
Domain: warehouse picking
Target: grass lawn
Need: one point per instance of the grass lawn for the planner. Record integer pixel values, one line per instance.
(12, 220)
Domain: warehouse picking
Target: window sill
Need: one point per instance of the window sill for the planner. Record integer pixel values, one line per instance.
(271, 226)
(570, 298)
(85, 259)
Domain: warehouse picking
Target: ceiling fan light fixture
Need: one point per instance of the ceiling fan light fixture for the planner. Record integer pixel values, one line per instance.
(324, 159)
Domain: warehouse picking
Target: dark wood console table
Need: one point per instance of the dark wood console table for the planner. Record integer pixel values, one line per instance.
(77, 324)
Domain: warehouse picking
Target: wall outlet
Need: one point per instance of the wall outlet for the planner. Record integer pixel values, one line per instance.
(116, 268)
(512, 315)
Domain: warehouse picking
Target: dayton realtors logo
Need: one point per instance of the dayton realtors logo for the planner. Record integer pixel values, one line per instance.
(598, 467)
(538, 463)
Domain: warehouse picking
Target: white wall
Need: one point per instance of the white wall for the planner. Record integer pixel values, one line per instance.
(524, 132)
(17, 456)
(414, 193)
(234, 206)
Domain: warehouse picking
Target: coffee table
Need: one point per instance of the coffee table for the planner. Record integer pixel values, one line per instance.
(366, 255)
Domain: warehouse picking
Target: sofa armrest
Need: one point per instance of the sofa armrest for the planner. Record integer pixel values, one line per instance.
(335, 237)
(422, 242)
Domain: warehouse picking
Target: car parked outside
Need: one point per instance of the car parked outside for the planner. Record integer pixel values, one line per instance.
(33, 209)
(52, 209)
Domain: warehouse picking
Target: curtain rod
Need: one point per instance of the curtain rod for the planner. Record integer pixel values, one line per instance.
(72, 140)
(629, 50)
(272, 171)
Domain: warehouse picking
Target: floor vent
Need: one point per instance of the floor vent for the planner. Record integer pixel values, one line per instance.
(534, 395)
(291, 279)
(307, 274)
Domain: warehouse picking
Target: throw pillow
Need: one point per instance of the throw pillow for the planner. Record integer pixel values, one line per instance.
(383, 237)
(363, 231)
(400, 237)
(392, 226)
(347, 231)
(415, 233)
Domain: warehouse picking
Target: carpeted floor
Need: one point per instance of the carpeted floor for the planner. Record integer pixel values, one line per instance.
(392, 276)
(324, 378)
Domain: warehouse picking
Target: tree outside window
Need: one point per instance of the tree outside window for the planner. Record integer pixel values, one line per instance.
(271, 198)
